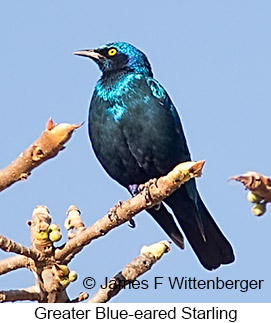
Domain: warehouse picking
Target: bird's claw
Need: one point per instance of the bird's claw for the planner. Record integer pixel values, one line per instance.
(146, 187)
(112, 213)
(132, 224)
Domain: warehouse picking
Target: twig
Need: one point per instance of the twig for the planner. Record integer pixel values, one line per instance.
(81, 297)
(141, 264)
(48, 263)
(73, 222)
(15, 262)
(257, 183)
(156, 192)
(9, 245)
(28, 294)
(47, 146)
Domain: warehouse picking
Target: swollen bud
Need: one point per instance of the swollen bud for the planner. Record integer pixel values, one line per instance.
(64, 281)
(42, 235)
(53, 227)
(253, 198)
(65, 270)
(55, 236)
(258, 209)
(72, 276)
(157, 249)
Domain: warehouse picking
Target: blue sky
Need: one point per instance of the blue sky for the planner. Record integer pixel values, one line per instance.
(213, 57)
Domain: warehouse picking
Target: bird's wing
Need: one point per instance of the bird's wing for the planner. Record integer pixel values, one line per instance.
(152, 128)
(154, 134)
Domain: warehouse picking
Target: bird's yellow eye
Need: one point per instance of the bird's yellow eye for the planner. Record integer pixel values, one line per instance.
(112, 52)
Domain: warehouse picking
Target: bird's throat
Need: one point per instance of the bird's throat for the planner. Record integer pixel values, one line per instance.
(114, 87)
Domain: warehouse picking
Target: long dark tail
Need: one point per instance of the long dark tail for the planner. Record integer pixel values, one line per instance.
(166, 221)
(203, 234)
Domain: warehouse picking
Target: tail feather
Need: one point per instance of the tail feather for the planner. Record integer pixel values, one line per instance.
(166, 221)
(212, 248)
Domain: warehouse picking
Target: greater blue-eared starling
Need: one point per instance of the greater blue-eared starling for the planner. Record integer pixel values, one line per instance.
(137, 135)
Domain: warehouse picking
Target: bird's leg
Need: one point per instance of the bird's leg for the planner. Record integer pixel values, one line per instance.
(112, 213)
(146, 187)
(133, 189)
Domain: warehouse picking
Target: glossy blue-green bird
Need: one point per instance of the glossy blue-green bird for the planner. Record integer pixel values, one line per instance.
(137, 135)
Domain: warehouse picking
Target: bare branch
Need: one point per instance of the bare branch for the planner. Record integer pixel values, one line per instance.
(13, 263)
(257, 183)
(55, 292)
(41, 220)
(28, 294)
(151, 194)
(141, 264)
(9, 245)
(48, 145)
(73, 222)
(81, 297)
(48, 264)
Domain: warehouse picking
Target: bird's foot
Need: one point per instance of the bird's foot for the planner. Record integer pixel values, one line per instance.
(112, 213)
(146, 187)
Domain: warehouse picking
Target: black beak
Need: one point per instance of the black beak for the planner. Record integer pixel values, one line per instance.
(89, 53)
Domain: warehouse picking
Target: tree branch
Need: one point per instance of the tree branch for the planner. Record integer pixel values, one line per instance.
(141, 264)
(28, 294)
(48, 263)
(151, 194)
(13, 263)
(48, 145)
(9, 245)
(257, 183)
(81, 297)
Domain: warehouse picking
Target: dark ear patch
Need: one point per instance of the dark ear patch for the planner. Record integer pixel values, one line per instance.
(121, 60)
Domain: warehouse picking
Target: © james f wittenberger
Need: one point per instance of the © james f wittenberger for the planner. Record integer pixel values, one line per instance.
(178, 283)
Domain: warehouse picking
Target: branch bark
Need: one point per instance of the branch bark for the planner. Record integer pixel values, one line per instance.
(13, 263)
(28, 294)
(257, 183)
(48, 263)
(151, 194)
(47, 146)
(9, 245)
(149, 256)
(81, 297)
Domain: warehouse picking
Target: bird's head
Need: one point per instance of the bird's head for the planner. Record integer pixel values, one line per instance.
(118, 56)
